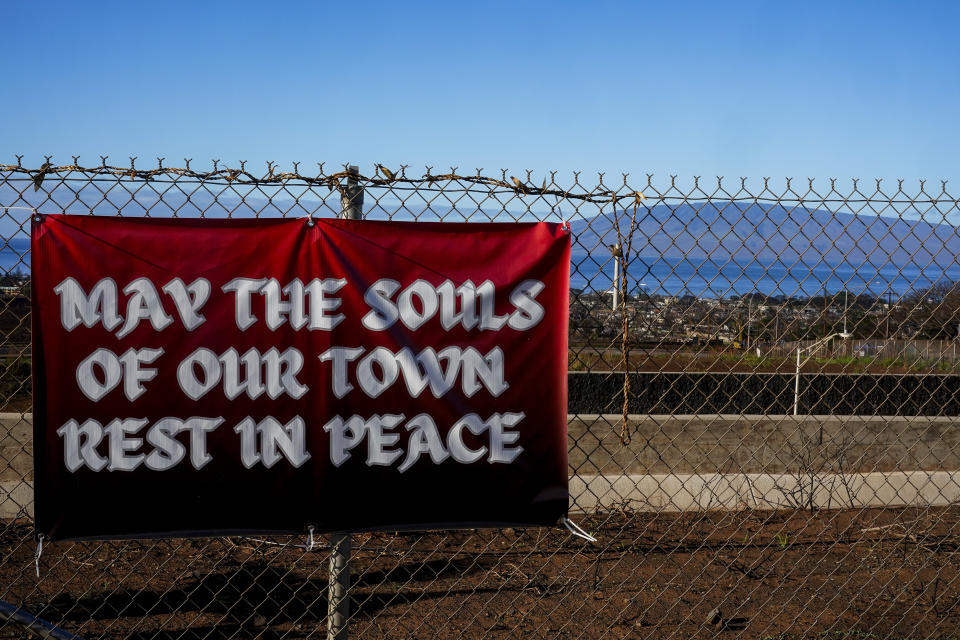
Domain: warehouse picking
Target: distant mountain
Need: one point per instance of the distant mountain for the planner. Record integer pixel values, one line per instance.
(213, 201)
(160, 200)
(719, 231)
(766, 233)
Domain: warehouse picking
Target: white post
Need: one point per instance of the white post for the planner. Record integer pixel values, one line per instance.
(796, 386)
(844, 310)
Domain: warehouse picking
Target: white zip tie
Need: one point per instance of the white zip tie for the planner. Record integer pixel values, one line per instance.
(564, 224)
(310, 221)
(36, 558)
(310, 538)
(573, 528)
(38, 217)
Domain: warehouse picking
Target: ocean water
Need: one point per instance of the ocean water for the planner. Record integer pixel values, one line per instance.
(700, 278)
(711, 279)
(15, 256)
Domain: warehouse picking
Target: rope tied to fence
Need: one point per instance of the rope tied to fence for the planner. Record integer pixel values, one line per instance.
(621, 253)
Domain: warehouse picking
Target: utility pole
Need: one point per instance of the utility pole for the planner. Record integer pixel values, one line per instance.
(338, 586)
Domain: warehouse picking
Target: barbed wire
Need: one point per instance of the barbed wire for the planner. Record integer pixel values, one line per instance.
(601, 194)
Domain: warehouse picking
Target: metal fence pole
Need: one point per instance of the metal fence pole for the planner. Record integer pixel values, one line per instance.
(338, 589)
(351, 196)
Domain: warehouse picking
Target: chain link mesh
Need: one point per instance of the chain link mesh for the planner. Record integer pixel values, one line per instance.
(763, 428)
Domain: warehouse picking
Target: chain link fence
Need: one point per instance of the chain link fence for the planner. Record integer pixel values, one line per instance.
(763, 421)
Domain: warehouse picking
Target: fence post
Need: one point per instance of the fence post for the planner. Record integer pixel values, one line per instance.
(338, 588)
(351, 196)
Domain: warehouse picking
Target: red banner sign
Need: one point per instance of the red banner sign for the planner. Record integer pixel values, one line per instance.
(212, 376)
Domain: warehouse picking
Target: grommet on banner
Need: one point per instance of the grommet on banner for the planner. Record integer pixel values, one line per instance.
(36, 558)
(565, 225)
(310, 538)
(573, 528)
(310, 221)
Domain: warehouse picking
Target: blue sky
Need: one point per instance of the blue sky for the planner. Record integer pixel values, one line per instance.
(812, 89)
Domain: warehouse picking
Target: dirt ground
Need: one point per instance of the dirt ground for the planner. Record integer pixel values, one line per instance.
(873, 573)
